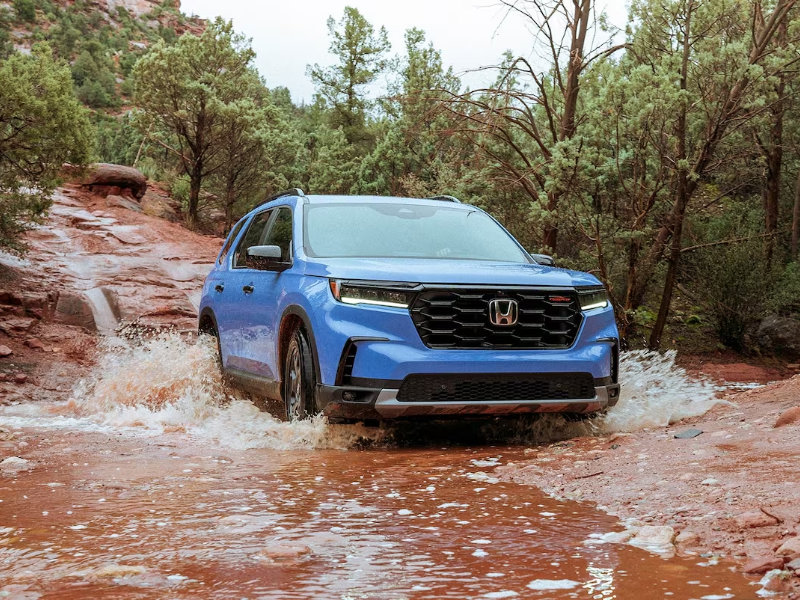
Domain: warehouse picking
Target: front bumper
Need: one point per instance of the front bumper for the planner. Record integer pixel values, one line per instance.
(351, 402)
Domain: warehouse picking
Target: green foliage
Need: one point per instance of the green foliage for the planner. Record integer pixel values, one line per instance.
(179, 189)
(26, 10)
(6, 46)
(734, 285)
(43, 126)
(118, 139)
(190, 92)
(785, 298)
(360, 53)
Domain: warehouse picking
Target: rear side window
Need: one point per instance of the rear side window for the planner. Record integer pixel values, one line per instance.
(236, 229)
(252, 237)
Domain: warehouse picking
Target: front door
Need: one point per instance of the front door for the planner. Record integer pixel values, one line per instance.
(262, 305)
(240, 288)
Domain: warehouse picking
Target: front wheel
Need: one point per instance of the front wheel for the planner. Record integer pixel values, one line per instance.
(299, 381)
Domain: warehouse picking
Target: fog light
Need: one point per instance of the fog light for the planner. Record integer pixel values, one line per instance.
(349, 396)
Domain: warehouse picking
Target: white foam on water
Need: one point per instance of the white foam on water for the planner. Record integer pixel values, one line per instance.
(553, 584)
(166, 384)
(656, 392)
(152, 385)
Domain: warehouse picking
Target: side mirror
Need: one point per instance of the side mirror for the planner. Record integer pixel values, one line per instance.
(266, 258)
(544, 259)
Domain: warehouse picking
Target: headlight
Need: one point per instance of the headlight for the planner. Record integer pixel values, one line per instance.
(590, 298)
(377, 293)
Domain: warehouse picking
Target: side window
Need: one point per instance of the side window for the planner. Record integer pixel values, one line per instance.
(234, 232)
(251, 237)
(280, 234)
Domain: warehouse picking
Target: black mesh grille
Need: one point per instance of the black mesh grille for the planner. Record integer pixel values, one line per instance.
(459, 318)
(496, 387)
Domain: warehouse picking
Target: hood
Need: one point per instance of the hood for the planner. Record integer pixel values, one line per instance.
(464, 272)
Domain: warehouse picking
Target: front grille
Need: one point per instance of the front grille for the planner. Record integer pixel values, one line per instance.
(459, 318)
(467, 387)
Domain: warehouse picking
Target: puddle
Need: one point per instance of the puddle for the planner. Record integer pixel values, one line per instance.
(166, 517)
(156, 480)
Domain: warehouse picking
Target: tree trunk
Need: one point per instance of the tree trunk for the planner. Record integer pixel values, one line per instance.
(654, 342)
(550, 234)
(774, 158)
(796, 217)
(684, 193)
(195, 181)
(230, 200)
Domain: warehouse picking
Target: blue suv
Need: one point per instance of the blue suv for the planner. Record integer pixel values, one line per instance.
(378, 308)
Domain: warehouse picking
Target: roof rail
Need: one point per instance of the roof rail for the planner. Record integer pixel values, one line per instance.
(289, 192)
(446, 198)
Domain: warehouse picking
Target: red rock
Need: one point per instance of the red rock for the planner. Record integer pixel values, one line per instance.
(790, 548)
(788, 417)
(794, 564)
(763, 564)
(776, 584)
(16, 325)
(754, 518)
(5, 351)
(34, 344)
(20, 378)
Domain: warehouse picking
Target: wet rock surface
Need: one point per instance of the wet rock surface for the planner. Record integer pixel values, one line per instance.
(92, 267)
(735, 490)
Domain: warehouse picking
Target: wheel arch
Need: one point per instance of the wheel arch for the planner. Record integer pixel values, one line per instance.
(205, 319)
(295, 316)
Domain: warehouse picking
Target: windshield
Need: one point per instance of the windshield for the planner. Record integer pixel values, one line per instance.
(406, 231)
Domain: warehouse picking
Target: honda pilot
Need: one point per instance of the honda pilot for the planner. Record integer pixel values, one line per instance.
(376, 308)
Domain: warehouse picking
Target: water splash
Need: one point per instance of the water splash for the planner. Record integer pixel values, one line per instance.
(153, 384)
(656, 392)
(167, 384)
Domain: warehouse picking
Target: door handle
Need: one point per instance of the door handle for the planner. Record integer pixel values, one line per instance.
(248, 289)
(219, 287)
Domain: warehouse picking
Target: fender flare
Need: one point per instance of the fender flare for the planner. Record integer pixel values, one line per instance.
(298, 311)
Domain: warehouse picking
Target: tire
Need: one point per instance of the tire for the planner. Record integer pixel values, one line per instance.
(299, 381)
(209, 329)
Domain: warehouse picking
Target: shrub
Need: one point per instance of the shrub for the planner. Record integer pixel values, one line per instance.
(26, 10)
(736, 286)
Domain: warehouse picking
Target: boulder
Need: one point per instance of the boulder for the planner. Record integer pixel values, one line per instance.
(790, 548)
(763, 564)
(788, 417)
(123, 202)
(103, 177)
(780, 335)
(34, 344)
(16, 326)
(5, 351)
(74, 309)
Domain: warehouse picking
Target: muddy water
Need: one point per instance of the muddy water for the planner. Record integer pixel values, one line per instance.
(165, 516)
(157, 481)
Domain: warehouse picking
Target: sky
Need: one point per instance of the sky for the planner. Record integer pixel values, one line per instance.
(288, 35)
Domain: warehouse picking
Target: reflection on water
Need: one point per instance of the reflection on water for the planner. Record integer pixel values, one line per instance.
(165, 517)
